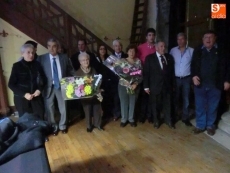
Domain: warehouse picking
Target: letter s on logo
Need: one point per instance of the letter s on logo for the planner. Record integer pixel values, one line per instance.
(215, 8)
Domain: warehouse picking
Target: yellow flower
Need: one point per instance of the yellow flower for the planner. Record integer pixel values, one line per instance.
(70, 88)
(88, 90)
(62, 81)
(69, 91)
(69, 95)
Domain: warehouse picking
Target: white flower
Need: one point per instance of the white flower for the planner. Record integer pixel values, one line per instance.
(79, 81)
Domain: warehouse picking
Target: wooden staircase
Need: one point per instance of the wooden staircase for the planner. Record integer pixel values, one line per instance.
(139, 22)
(42, 19)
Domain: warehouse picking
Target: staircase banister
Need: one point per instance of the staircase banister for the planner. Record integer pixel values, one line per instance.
(80, 25)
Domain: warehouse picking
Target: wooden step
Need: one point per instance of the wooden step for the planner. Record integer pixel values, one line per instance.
(224, 127)
(139, 5)
(137, 27)
(139, 12)
(138, 19)
(135, 35)
(221, 136)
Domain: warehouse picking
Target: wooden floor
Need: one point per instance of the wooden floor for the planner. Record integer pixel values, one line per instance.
(141, 150)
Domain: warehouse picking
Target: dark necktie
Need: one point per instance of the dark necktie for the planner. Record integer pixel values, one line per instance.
(163, 64)
(55, 74)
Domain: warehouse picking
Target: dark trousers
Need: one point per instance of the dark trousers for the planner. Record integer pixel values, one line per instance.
(92, 109)
(183, 86)
(145, 108)
(144, 104)
(107, 103)
(36, 106)
(206, 102)
(116, 101)
(161, 102)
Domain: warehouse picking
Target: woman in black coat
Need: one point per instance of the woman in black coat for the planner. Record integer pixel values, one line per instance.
(27, 80)
(108, 78)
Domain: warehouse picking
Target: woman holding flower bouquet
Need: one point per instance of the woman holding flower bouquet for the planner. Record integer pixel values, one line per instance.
(91, 106)
(130, 72)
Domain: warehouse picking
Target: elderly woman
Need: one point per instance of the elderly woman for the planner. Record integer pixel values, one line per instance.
(91, 106)
(27, 80)
(128, 96)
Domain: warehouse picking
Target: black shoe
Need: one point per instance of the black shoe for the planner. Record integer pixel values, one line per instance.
(142, 120)
(156, 125)
(55, 133)
(150, 120)
(64, 131)
(198, 131)
(187, 123)
(133, 124)
(122, 124)
(211, 131)
(171, 126)
(46, 139)
(115, 118)
(55, 129)
(89, 130)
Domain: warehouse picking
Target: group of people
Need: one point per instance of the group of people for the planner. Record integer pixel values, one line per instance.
(35, 81)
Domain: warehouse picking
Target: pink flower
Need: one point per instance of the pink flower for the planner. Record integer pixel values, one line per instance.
(78, 93)
(71, 79)
(125, 70)
(82, 93)
(81, 87)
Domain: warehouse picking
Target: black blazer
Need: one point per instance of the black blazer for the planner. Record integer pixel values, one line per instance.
(93, 61)
(24, 77)
(223, 66)
(154, 78)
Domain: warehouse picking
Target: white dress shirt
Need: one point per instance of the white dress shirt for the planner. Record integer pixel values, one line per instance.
(58, 66)
(118, 55)
(159, 59)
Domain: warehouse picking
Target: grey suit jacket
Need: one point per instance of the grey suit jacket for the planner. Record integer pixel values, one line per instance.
(66, 69)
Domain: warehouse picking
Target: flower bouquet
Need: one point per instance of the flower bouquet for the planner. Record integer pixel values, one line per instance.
(80, 87)
(129, 74)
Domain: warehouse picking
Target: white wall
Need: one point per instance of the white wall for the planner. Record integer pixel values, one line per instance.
(10, 51)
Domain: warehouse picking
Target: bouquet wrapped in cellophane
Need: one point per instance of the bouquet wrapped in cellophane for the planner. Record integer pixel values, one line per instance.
(129, 74)
(81, 87)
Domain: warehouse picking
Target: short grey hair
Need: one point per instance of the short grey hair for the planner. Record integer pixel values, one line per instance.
(116, 41)
(159, 41)
(82, 55)
(181, 34)
(54, 40)
(25, 46)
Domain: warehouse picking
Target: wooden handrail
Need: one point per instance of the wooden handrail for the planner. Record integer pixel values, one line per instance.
(58, 23)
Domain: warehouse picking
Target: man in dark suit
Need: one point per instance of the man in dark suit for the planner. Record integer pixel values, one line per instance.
(114, 79)
(117, 47)
(158, 83)
(82, 46)
(55, 66)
